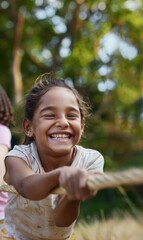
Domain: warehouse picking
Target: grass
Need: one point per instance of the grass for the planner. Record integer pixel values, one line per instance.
(123, 227)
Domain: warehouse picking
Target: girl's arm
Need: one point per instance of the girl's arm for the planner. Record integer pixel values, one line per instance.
(38, 186)
(68, 207)
(27, 183)
(66, 212)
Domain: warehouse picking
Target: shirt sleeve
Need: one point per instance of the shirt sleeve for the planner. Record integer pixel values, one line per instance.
(88, 159)
(5, 136)
(96, 163)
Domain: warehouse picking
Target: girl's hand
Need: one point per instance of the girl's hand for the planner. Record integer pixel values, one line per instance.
(73, 180)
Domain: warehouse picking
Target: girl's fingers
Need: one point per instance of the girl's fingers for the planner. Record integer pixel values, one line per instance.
(74, 181)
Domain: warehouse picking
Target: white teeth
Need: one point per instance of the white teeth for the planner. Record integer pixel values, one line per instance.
(60, 136)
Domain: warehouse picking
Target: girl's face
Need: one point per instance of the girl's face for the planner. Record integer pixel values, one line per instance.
(56, 126)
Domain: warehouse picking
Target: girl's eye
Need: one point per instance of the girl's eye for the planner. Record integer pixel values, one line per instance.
(49, 116)
(72, 116)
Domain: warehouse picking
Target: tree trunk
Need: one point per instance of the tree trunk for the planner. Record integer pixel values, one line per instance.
(17, 57)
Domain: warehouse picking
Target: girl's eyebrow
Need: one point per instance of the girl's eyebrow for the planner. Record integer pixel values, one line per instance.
(47, 108)
(70, 108)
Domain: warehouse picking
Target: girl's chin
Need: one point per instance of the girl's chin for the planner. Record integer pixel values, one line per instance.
(62, 150)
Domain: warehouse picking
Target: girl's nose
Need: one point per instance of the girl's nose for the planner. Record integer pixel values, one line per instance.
(62, 122)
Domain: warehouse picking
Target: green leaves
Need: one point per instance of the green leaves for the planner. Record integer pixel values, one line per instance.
(77, 39)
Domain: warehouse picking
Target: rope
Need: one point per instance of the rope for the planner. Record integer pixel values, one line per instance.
(98, 181)
(115, 179)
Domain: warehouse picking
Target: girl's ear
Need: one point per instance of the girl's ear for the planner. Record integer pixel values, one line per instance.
(26, 124)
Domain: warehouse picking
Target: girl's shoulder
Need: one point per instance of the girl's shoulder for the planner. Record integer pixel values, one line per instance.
(21, 149)
(88, 151)
(26, 152)
(29, 154)
(87, 158)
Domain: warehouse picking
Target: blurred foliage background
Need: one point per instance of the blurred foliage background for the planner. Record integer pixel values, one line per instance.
(97, 46)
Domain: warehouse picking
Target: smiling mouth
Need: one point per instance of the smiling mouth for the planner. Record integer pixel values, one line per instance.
(60, 136)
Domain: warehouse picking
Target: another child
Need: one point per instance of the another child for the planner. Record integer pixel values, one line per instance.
(6, 117)
(50, 157)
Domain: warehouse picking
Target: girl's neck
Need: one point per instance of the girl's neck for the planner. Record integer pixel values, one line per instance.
(54, 162)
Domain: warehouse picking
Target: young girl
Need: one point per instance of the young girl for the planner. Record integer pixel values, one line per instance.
(50, 157)
(6, 117)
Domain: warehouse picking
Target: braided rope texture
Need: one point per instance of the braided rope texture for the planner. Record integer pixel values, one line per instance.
(115, 179)
(128, 177)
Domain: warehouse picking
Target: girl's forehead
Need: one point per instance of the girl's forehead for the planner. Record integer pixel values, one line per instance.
(56, 92)
(59, 95)
(59, 89)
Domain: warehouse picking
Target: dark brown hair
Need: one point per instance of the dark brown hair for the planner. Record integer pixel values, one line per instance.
(43, 84)
(6, 110)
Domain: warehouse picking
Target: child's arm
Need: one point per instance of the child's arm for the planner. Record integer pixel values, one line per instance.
(38, 186)
(74, 181)
(66, 212)
(27, 183)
